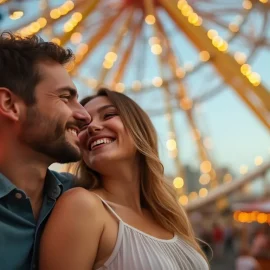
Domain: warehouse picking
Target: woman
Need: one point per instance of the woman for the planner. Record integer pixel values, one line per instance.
(127, 215)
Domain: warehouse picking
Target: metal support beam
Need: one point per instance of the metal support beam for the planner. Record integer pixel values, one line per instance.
(257, 98)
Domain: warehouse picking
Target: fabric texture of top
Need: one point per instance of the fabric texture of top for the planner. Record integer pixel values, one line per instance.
(136, 250)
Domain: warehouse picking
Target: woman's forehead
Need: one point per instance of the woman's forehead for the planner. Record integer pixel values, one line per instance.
(96, 103)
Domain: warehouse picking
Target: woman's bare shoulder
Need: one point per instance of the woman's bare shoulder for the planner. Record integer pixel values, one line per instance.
(79, 200)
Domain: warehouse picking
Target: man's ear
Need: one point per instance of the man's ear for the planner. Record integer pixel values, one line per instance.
(9, 104)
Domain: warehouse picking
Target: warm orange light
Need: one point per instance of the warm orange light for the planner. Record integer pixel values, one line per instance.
(178, 182)
(183, 200)
(150, 19)
(186, 103)
(55, 14)
(204, 56)
(206, 166)
(171, 144)
(203, 192)
(156, 49)
(204, 179)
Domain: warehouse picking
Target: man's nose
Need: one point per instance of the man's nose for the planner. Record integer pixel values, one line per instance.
(82, 115)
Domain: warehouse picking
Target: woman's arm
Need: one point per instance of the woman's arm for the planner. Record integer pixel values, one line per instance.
(71, 237)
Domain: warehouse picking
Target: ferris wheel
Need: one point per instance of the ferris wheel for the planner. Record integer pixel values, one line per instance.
(169, 56)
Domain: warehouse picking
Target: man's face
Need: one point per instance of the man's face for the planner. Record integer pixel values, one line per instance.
(51, 125)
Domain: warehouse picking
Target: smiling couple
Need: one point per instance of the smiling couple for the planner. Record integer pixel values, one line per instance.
(122, 214)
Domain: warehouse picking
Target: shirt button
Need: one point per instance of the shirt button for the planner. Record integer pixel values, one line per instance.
(18, 195)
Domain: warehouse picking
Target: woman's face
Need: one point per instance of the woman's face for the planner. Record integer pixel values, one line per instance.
(105, 142)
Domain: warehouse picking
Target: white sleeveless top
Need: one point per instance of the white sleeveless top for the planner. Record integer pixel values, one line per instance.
(136, 250)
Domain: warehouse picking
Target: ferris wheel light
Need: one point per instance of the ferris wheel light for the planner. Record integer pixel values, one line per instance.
(212, 33)
(181, 3)
(233, 27)
(186, 103)
(217, 41)
(111, 56)
(120, 87)
(245, 69)
(204, 56)
(42, 22)
(55, 14)
(69, 5)
(171, 144)
(186, 10)
(264, 1)
(207, 142)
(76, 38)
(150, 19)
(157, 81)
(107, 64)
(243, 169)
(180, 72)
(156, 49)
(193, 18)
(224, 47)
(178, 182)
(56, 41)
(183, 200)
(199, 22)
(258, 161)
(247, 4)
(35, 27)
(77, 16)
(254, 77)
(206, 166)
(240, 58)
(204, 179)
(16, 15)
(193, 195)
(203, 192)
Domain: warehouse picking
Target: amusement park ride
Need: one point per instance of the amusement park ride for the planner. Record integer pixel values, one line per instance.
(134, 36)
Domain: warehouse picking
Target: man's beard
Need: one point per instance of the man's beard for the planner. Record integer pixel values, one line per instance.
(47, 136)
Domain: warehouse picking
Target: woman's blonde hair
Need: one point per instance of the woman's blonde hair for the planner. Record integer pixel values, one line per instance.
(157, 195)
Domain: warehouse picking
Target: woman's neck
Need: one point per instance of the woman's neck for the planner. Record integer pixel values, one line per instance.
(123, 187)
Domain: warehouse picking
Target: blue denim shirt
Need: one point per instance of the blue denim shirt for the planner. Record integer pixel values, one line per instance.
(19, 231)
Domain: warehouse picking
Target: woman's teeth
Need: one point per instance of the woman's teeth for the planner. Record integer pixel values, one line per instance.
(101, 141)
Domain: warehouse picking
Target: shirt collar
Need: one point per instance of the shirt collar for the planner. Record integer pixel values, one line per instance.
(52, 187)
(5, 186)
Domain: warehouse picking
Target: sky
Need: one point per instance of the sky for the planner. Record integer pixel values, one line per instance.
(236, 135)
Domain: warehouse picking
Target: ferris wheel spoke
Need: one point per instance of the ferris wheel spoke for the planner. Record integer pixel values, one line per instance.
(115, 47)
(102, 32)
(127, 53)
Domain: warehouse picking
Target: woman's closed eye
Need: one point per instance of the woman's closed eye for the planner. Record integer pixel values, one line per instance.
(109, 115)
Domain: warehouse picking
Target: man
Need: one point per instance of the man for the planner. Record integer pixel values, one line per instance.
(40, 118)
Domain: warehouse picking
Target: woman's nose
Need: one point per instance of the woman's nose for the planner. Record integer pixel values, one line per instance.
(94, 128)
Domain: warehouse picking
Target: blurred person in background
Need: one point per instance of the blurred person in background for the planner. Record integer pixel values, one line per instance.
(245, 261)
(218, 240)
(127, 217)
(40, 118)
(260, 245)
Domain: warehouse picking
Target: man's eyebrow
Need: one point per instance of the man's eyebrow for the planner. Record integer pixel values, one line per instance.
(73, 92)
(105, 107)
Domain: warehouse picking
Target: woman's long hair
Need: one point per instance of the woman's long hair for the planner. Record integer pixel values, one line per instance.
(157, 195)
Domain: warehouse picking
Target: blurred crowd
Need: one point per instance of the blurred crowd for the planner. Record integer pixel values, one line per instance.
(249, 246)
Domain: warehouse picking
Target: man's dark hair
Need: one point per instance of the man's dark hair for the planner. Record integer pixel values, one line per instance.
(19, 57)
